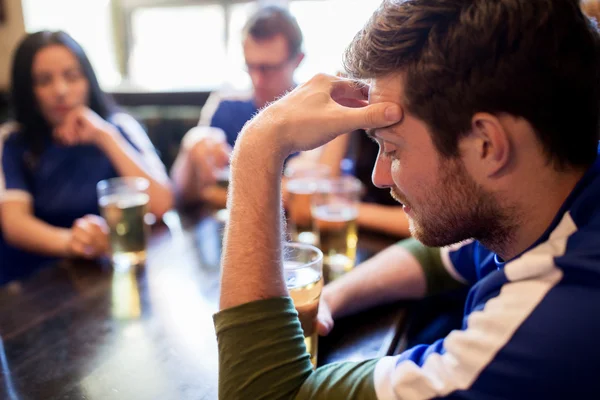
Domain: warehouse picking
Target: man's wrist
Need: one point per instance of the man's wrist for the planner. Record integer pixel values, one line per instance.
(257, 146)
(266, 132)
(332, 298)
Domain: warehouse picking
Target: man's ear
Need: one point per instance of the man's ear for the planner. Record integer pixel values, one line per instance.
(489, 144)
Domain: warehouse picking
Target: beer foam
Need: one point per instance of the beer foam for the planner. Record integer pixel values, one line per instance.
(123, 201)
(336, 213)
(301, 186)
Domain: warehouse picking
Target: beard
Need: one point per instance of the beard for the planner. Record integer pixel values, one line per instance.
(457, 209)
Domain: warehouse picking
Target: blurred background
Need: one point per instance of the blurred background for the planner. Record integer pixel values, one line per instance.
(161, 58)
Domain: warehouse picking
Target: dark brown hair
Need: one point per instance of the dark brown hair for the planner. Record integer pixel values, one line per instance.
(271, 21)
(535, 59)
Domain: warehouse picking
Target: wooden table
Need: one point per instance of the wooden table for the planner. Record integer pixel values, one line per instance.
(82, 331)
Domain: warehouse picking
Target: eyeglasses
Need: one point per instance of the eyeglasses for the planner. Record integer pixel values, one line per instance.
(266, 69)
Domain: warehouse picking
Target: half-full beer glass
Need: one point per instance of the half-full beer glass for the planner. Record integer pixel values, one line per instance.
(300, 185)
(334, 211)
(303, 270)
(124, 204)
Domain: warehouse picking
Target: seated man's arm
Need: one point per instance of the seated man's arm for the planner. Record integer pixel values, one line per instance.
(407, 270)
(203, 152)
(381, 218)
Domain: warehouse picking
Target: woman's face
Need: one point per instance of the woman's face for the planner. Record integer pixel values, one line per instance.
(58, 83)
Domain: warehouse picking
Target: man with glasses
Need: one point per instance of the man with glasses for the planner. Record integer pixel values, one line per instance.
(272, 44)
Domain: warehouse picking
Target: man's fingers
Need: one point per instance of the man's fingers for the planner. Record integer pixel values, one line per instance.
(349, 93)
(352, 103)
(206, 170)
(222, 154)
(353, 94)
(324, 318)
(324, 326)
(213, 158)
(374, 116)
(200, 134)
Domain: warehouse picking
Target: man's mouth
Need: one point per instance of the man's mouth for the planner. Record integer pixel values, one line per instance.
(396, 196)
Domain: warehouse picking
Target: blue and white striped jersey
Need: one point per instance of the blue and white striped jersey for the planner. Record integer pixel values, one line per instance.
(531, 325)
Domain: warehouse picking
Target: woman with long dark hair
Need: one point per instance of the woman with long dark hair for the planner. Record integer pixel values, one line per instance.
(69, 135)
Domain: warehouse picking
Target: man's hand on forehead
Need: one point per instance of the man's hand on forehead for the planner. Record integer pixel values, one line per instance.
(316, 112)
(350, 93)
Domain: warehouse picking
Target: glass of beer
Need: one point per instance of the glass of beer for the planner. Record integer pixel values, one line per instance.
(303, 271)
(334, 211)
(124, 204)
(301, 183)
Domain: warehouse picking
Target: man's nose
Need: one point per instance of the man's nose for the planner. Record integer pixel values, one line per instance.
(257, 77)
(382, 172)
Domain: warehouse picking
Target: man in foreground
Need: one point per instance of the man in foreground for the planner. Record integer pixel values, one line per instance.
(487, 117)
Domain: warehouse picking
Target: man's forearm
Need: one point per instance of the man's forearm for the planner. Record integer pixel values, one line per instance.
(392, 275)
(253, 236)
(388, 219)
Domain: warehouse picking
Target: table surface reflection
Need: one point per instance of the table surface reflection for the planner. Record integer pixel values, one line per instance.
(82, 331)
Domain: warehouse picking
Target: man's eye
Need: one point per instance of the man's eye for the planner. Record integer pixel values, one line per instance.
(390, 154)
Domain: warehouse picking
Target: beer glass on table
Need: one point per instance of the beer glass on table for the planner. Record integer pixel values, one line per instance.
(303, 272)
(334, 211)
(300, 184)
(124, 204)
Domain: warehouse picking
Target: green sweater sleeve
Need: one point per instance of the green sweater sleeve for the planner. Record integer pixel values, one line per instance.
(262, 356)
(438, 278)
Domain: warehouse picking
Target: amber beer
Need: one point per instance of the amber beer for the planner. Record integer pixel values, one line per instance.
(303, 269)
(301, 184)
(305, 291)
(334, 208)
(300, 222)
(336, 227)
